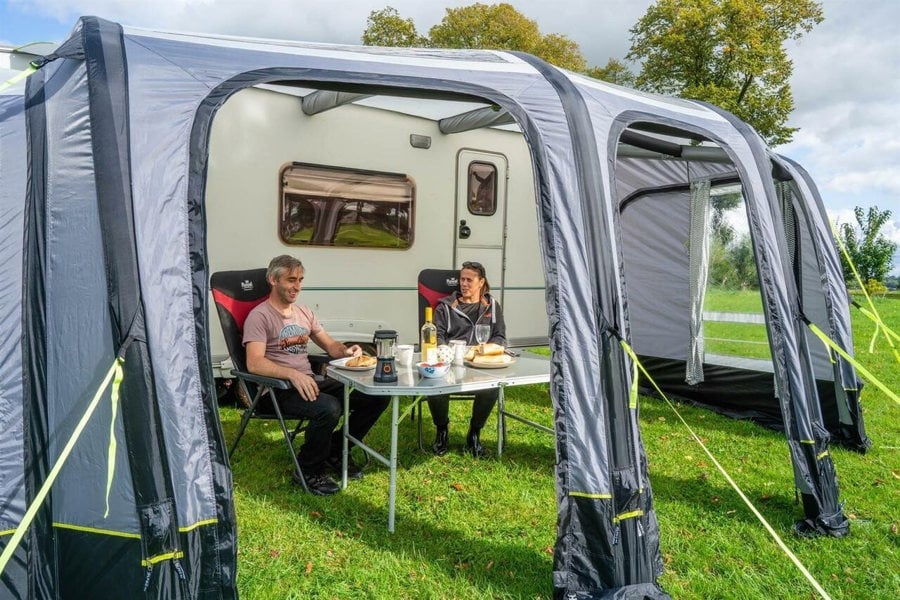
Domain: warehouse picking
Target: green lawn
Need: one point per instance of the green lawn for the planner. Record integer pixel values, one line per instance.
(468, 529)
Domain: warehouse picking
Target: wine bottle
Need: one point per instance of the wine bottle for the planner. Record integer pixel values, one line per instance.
(428, 338)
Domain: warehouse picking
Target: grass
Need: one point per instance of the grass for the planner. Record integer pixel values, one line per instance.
(354, 234)
(486, 529)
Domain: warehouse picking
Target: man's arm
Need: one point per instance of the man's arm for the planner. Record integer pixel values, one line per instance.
(258, 364)
(334, 348)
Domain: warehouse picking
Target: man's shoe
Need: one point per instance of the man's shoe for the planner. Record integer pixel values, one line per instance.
(354, 471)
(473, 445)
(441, 441)
(319, 484)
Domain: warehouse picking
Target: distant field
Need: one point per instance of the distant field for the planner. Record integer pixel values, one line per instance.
(748, 301)
(735, 339)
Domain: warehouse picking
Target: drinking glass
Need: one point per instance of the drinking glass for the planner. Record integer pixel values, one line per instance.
(482, 333)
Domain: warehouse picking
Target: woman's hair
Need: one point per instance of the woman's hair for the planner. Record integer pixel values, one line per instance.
(478, 268)
(281, 265)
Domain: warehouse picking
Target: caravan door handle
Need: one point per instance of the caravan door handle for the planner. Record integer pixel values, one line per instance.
(464, 230)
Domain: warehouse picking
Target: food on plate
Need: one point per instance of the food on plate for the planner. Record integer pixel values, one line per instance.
(492, 359)
(488, 354)
(491, 349)
(361, 361)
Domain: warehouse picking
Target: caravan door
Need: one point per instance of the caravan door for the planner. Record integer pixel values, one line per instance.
(481, 213)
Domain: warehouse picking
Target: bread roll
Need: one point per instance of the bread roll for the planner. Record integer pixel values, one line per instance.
(491, 349)
(492, 359)
(470, 353)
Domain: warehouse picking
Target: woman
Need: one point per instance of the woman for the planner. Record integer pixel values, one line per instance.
(455, 317)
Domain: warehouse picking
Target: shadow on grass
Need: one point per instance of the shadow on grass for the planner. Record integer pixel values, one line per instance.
(716, 501)
(654, 408)
(491, 554)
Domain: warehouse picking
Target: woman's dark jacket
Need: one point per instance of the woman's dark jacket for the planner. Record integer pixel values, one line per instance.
(453, 323)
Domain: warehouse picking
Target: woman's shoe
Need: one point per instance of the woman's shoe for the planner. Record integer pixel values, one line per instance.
(473, 444)
(441, 441)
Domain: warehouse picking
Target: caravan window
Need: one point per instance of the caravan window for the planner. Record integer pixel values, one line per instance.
(482, 193)
(335, 206)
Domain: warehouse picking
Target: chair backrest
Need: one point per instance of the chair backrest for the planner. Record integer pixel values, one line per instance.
(236, 293)
(434, 284)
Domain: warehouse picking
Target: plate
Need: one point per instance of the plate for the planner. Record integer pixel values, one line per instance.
(341, 363)
(469, 363)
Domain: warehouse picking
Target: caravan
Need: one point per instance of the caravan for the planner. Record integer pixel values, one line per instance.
(368, 194)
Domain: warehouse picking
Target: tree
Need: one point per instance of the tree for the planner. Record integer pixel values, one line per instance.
(727, 52)
(722, 204)
(386, 27)
(615, 71)
(494, 26)
(870, 251)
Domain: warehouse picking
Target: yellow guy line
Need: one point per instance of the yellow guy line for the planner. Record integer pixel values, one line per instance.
(54, 472)
(874, 380)
(734, 485)
(111, 451)
(17, 78)
(875, 316)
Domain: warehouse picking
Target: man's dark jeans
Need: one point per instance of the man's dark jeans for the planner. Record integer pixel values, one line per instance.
(324, 412)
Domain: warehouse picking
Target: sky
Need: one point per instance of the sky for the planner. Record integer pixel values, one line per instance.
(846, 79)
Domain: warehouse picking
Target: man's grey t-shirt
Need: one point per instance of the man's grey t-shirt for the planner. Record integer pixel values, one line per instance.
(285, 337)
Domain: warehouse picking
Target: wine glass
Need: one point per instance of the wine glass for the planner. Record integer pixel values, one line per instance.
(482, 333)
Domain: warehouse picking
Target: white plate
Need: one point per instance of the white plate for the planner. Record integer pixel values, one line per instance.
(475, 365)
(341, 363)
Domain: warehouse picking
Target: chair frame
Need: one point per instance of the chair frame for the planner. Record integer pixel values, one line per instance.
(264, 385)
(267, 386)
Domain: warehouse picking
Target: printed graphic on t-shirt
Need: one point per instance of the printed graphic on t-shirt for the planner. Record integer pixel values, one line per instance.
(294, 338)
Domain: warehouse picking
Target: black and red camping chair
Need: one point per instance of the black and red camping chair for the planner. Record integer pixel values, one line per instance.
(434, 284)
(236, 293)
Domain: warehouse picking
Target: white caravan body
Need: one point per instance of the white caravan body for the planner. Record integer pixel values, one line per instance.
(355, 290)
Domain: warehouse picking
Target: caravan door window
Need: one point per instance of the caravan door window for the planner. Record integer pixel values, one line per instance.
(336, 206)
(482, 192)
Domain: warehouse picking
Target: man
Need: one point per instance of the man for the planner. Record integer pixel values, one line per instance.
(276, 334)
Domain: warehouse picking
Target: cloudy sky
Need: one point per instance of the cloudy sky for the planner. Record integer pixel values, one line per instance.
(846, 80)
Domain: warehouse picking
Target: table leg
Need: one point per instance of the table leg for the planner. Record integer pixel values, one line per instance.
(501, 425)
(345, 449)
(392, 487)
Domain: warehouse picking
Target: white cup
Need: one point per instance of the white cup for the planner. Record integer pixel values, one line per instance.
(404, 355)
(459, 351)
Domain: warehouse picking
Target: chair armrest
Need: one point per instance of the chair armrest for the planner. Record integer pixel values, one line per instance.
(272, 382)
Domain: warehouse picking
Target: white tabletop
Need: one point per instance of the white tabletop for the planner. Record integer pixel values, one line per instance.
(526, 370)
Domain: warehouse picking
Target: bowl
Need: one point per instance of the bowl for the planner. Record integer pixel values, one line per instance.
(433, 370)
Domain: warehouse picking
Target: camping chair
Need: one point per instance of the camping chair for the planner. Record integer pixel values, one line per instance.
(236, 293)
(434, 284)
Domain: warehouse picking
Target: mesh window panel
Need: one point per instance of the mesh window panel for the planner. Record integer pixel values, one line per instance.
(785, 199)
(699, 270)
